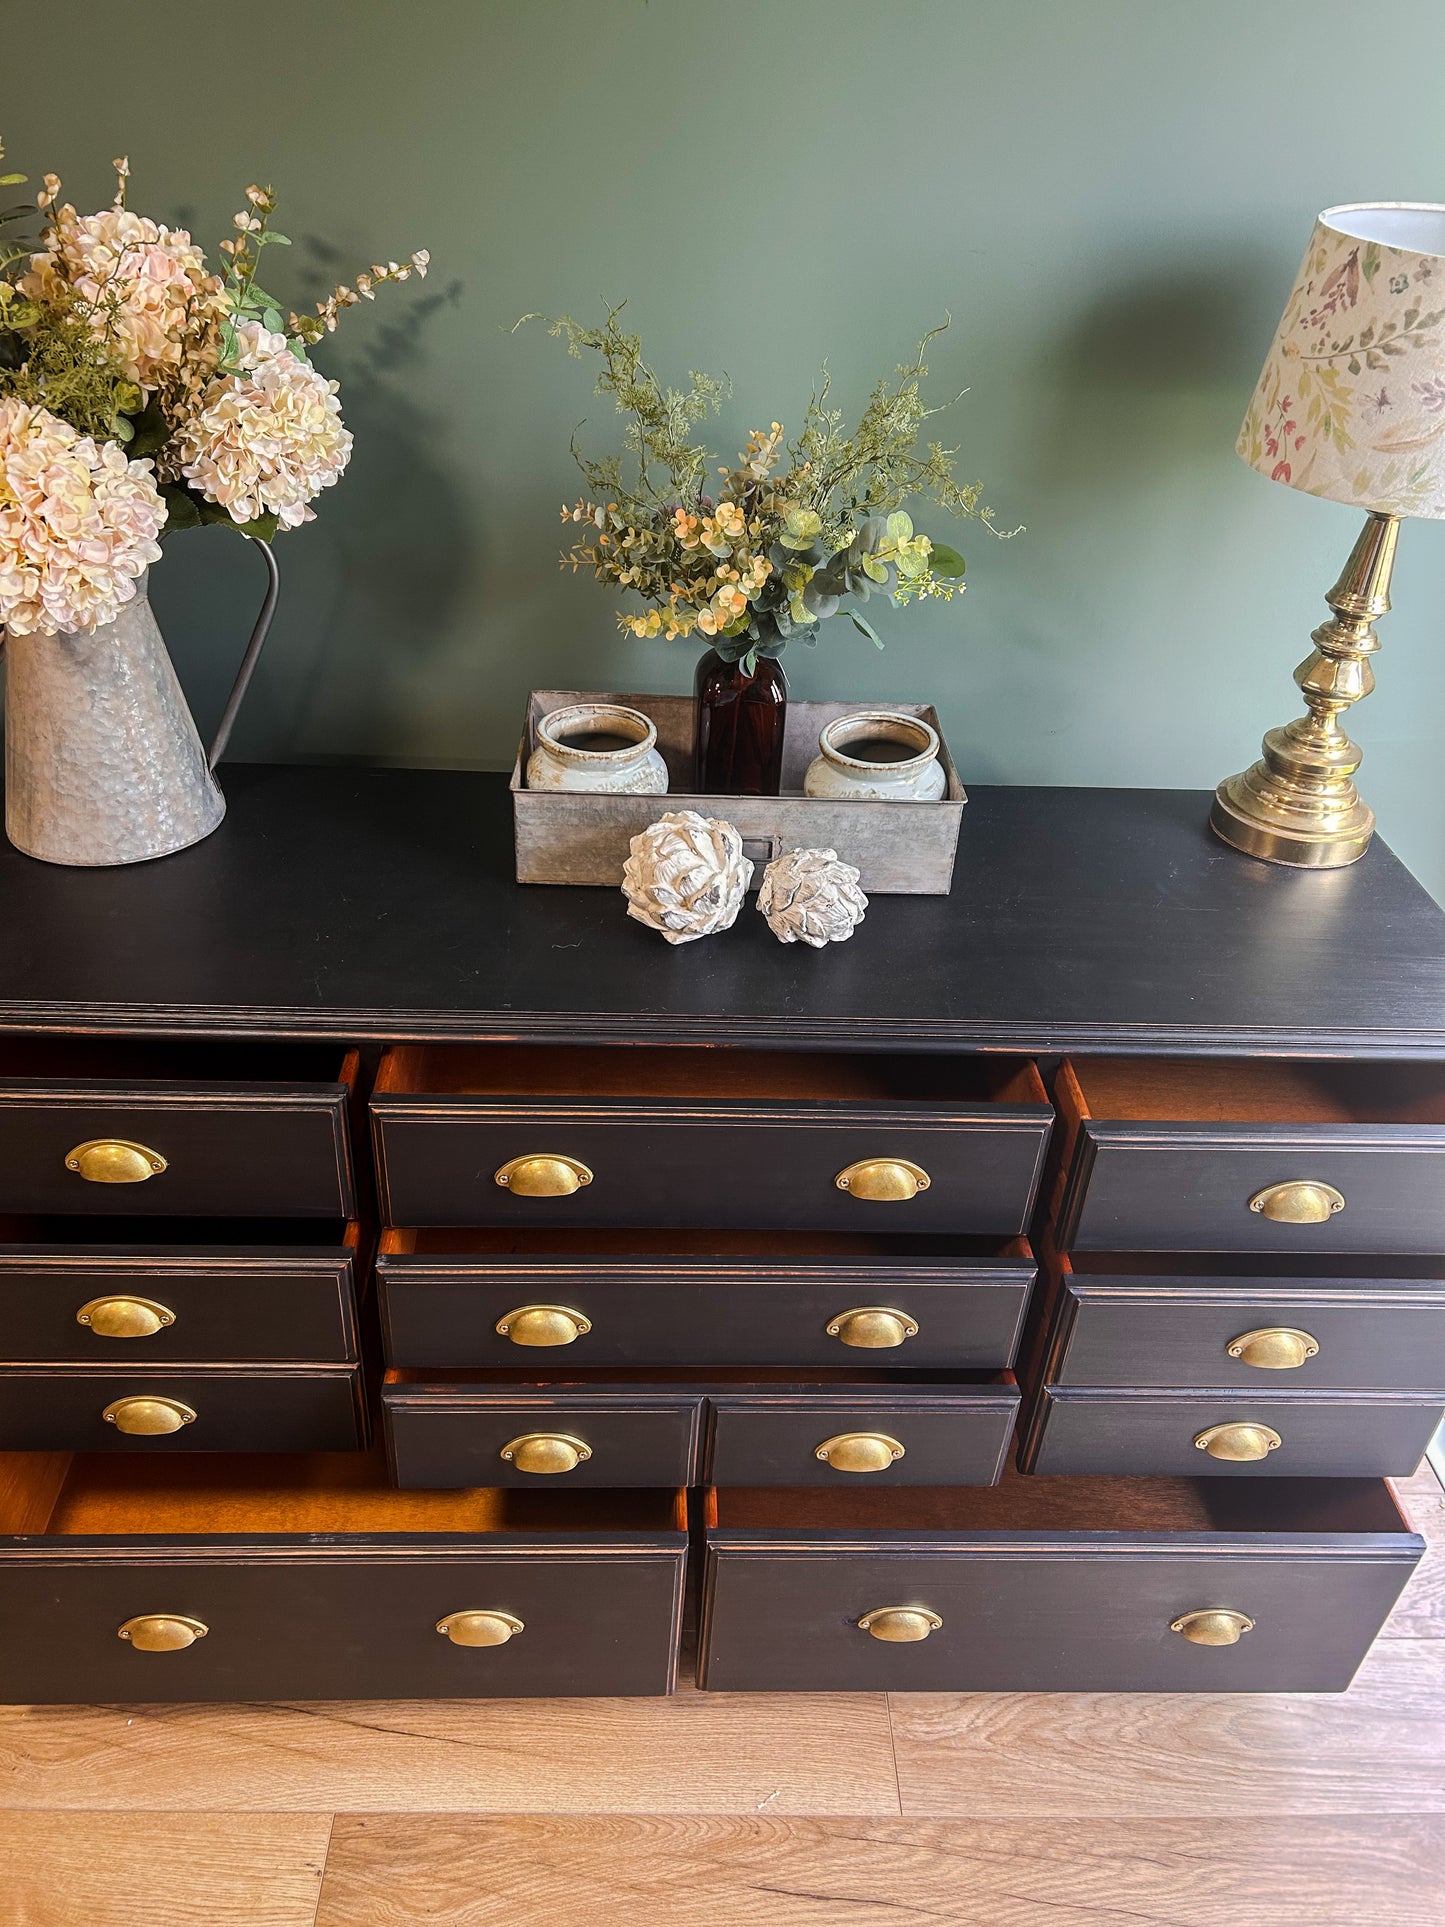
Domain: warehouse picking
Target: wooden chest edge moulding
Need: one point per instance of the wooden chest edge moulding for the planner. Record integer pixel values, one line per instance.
(900, 849)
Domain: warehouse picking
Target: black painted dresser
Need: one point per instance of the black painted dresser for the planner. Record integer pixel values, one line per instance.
(416, 1284)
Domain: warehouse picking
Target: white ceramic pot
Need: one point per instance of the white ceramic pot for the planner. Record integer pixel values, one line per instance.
(624, 759)
(913, 775)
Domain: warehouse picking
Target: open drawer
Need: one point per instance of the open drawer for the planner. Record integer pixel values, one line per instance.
(513, 1135)
(1169, 1154)
(505, 1296)
(1051, 1585)
(1258, 1324)
(175, 1129)
(309, 1578)
(653, 1427)
(83, 1291)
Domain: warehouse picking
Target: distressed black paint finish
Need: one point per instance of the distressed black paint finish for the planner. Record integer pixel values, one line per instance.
(352, 1618)
(1187, 1187)
(1064, 1612)
(380, 903)
(441, 1435)
(230, 1302)
(771, 1437)
(669, 1163)
(1373, 1333)
(239, 1408)
(1331, 1435)
(650, 1311)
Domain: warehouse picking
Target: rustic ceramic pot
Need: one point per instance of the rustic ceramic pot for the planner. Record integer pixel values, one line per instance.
(912, 775)
(103, 764)
(630, 766)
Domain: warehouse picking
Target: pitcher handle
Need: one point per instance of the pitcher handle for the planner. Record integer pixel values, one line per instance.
(251, 657)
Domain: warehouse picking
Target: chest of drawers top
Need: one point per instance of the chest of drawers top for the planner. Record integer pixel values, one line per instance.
(368, 904)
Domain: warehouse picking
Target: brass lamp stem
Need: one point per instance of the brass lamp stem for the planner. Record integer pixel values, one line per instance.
(1299, 803)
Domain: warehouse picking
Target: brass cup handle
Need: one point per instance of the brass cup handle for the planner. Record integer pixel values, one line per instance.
(883, 1180)
(1274, 1348)
(872, 1328)
(859, 1452)
(480, 1628)
(148, 1417)
(125, 1317)
(1213, 1626)
(546, 1453)
(1304, 1201)
(114, 1160)
(900, 1625)
(544, 1174)
(1241, 1442)
(162, 1632)
(543, 1325)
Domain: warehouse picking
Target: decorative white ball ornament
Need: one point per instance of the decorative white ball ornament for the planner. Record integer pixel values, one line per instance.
(810, 896)
(687, 876)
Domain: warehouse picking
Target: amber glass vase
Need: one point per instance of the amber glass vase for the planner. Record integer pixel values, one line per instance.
(740, 718)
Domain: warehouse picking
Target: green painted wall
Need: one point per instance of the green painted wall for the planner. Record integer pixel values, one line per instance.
(1109, 195)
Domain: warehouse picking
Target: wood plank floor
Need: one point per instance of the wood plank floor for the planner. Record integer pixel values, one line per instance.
(1006, 1810)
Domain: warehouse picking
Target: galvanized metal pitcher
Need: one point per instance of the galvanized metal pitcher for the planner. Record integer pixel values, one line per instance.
(103, 764)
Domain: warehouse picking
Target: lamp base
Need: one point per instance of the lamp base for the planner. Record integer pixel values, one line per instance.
(1298, 804)
(1238, 818)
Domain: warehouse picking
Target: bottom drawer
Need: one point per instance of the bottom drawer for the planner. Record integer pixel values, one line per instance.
(182, 1408)
(1329, 1435)
(308, 1578)
(1051, 1585)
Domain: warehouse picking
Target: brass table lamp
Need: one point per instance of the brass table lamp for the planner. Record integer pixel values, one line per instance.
(1351, 406)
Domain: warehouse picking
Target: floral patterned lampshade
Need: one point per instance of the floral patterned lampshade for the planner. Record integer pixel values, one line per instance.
(1351, 402)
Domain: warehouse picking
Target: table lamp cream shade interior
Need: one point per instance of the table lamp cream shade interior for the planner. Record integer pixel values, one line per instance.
(1351, 402)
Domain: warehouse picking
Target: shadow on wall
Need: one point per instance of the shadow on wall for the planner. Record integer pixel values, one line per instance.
(367, 591)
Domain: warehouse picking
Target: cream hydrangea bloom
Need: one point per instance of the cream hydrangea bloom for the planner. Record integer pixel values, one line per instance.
(268, 439)
(146, 285)
(78, 524)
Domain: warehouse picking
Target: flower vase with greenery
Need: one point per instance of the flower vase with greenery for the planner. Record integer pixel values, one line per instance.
(140, 393)
(798, 532)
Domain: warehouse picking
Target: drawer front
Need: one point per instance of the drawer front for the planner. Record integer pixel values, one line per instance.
(235, 1409)
(1188, 1187)
(1251, 1335)
(249, 1151)
(1054, 1614)
(1322, 1434)
(445, 1314)
(440, 1436)
(675, 1165)
(76, 1305)
(291, 1621)
(872, 1437)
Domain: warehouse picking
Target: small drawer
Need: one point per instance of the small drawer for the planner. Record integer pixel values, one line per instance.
(309, 1579)
(1051, 1585)
(253, 1292)
(617, 1298)
(1228, 1155)
(927, 1432)
(1266, 1324)
(650, 1427)
(1256, 1435)
(175, 1130)
(510, 1135)
(181, 1408)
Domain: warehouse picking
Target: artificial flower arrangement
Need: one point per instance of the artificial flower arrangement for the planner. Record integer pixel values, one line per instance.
(140, 392)
(795, 534)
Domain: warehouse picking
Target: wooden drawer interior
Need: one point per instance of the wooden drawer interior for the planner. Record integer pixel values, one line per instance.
(644, 1072)
(1028, 1503)
(83, 1495)
(694, 1247)
(720, 1378)
(181, 1237)
(1228, 1090)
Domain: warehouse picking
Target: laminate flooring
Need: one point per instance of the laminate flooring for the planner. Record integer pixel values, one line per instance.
(860, 1810)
